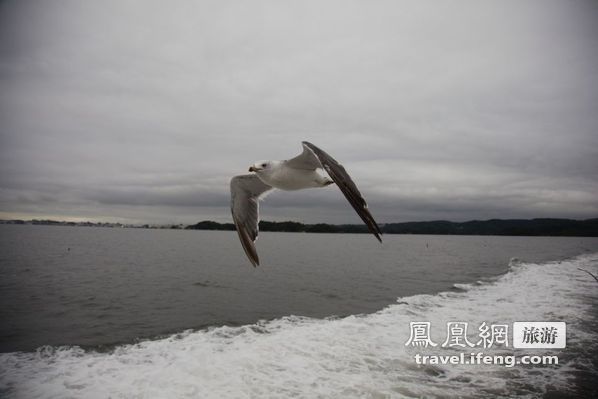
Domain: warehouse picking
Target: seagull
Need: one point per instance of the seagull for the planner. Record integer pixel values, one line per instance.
(293, 174)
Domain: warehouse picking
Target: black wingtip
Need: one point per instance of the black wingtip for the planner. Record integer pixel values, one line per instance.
(254, 259)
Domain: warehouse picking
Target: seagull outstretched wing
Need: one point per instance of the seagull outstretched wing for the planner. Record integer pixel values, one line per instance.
(245, 192)
(313, 157)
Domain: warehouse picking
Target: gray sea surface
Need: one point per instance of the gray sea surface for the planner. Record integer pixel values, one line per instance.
(103, 289)
(103, 286)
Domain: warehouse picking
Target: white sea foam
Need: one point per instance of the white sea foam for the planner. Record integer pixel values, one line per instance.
(356, 356)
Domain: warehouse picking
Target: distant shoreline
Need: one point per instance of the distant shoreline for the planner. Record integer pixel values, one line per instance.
(500, 227)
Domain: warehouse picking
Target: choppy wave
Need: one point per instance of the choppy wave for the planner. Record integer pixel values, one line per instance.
(356, 356)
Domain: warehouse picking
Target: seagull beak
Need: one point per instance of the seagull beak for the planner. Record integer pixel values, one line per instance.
(252, 169)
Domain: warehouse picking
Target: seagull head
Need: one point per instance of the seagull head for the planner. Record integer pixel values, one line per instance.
(260, 166)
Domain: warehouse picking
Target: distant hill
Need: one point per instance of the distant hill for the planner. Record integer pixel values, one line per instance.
(209, 225)
(499, 227)
(507, 227)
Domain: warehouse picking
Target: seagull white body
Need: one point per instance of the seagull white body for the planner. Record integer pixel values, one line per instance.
(294, 174)
(278, 174)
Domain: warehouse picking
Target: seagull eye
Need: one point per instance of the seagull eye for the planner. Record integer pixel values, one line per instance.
(264, 165)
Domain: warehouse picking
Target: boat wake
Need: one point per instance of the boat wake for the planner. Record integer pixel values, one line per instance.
(355, 356)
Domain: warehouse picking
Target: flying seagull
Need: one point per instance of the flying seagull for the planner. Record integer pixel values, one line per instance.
(292, 174)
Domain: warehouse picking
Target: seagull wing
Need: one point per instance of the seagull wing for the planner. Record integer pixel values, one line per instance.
(307, 159)
(313, 157)
(245, 191)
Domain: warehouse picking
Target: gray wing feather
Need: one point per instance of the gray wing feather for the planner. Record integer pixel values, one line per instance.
(245, 192)
(339, 175)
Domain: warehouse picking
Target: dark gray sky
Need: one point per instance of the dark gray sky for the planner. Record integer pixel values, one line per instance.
(142, 111)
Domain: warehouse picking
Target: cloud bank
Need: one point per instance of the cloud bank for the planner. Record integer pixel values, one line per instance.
(143, 111)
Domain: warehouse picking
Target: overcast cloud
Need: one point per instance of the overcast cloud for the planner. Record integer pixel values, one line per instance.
(141, 111)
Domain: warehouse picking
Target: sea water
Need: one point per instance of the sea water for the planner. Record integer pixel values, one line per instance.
(90, 312)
